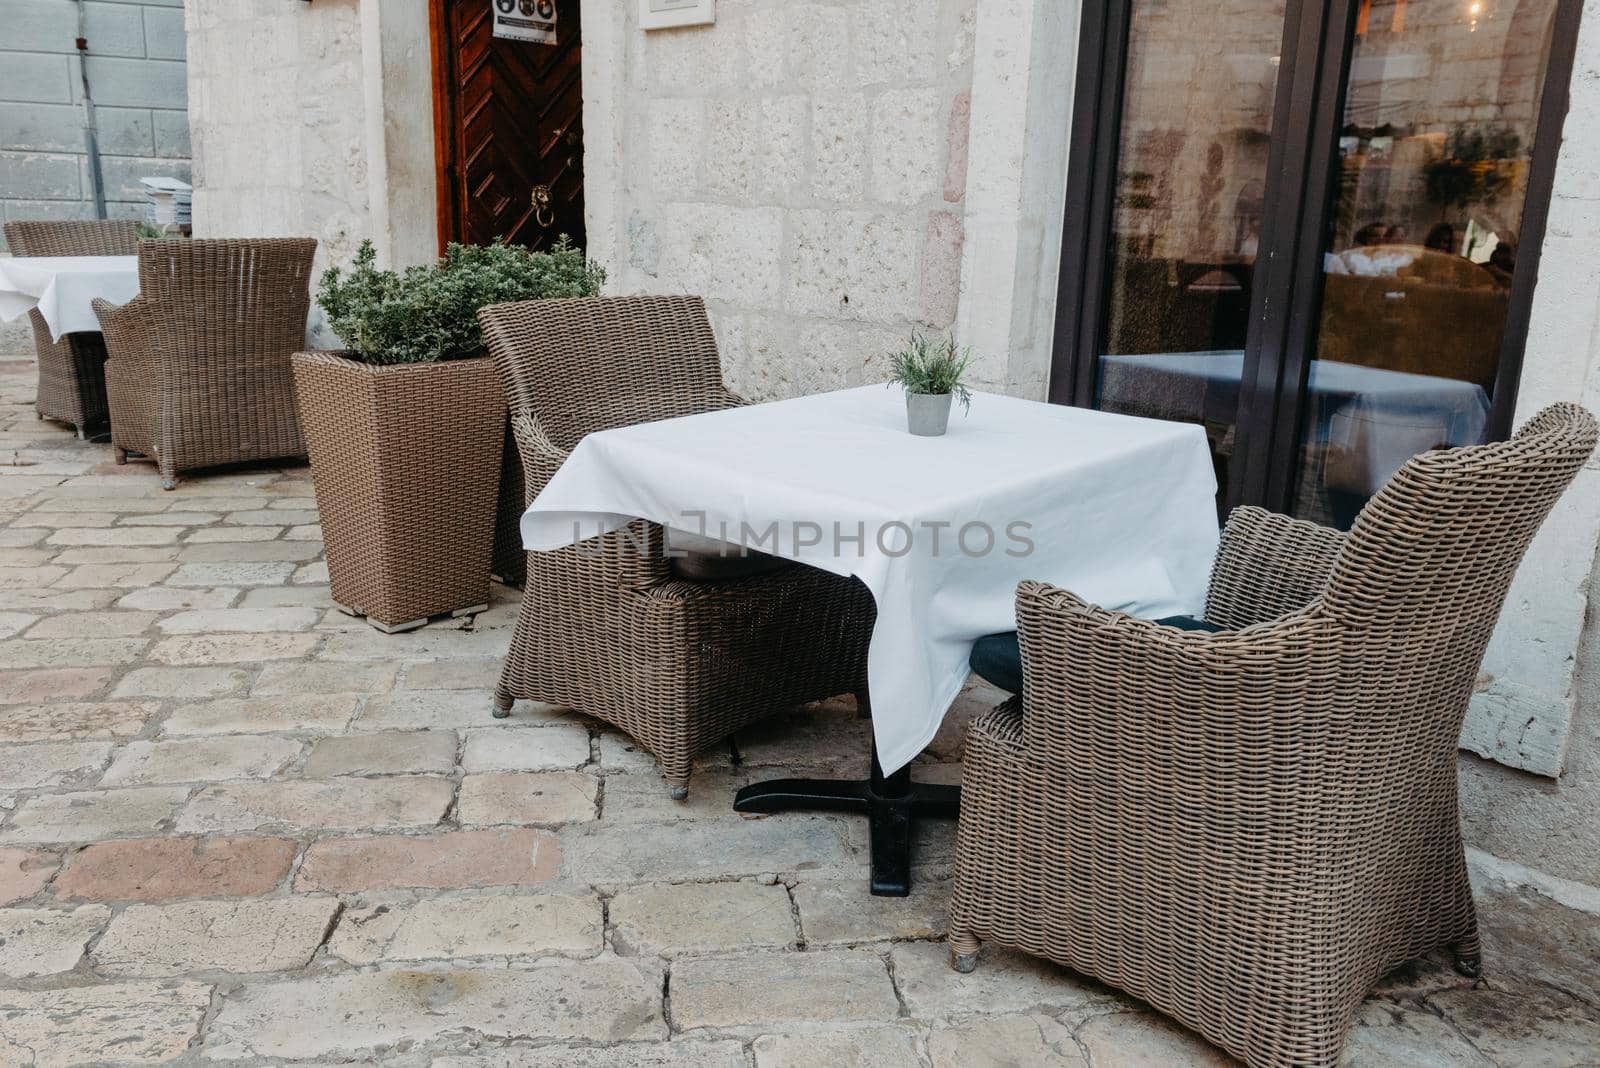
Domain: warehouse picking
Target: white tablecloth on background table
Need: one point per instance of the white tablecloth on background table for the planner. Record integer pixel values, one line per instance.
(1376, 417)
(1120, 510)
(61, 287)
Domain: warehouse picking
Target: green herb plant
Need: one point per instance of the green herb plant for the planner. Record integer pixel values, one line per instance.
(932, 365)
(428, 312)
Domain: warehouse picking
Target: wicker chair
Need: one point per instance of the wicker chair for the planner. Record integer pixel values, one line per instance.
(1247, 829)
(72, 376)
(610, 627)
(199, 373)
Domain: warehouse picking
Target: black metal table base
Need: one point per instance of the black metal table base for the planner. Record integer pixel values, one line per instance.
(891, 803)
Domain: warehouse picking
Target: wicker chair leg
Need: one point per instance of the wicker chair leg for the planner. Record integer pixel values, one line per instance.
(963, 951)
(1467, 955)
(502, 702)
(120, 456)
(677, 772)
(83, 435)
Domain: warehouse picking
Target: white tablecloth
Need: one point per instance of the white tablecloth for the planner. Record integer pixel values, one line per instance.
(61, 287)
(1120, 510)
(1377, 418)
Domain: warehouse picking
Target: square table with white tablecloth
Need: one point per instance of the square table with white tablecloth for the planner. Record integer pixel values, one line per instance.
(63, 288)
(1119, 509)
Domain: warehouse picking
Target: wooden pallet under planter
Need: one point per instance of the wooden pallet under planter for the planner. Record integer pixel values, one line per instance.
(406, 461)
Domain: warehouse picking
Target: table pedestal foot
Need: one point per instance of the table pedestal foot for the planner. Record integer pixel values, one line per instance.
(891, 803)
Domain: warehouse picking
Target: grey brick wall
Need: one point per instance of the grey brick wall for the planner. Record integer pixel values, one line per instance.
(137, 78)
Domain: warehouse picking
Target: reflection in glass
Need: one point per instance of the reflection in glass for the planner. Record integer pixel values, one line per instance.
(1438, 125)
(1192, 165)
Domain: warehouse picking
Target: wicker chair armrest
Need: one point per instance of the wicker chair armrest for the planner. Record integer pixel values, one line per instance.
(1097, 680)
(133, 338)
(541, 457)
(631, 557)
(1268, 565)
(127, 324)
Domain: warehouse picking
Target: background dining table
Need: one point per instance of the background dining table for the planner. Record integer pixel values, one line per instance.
(63, 288)
(940, 529)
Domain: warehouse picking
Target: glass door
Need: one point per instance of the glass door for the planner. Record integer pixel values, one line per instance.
(1311, 226)
(1438, 122)
(1197, 101)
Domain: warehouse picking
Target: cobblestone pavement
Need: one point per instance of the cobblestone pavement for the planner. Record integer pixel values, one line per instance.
(238, 825)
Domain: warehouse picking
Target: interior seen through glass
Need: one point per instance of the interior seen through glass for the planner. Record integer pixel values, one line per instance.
(1437, 130)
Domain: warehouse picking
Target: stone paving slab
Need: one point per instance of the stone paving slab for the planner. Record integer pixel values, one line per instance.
(608, 1000)
(238, 826)
(455, 928)
(164, 869)
(250, 935)
(144, 1022)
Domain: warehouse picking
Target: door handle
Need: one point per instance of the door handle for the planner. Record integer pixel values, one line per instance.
(542, 213)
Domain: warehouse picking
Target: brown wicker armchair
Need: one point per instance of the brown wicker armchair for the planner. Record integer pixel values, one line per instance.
(72, 377)
(198, 373)
(617, 632)
(1247, 829)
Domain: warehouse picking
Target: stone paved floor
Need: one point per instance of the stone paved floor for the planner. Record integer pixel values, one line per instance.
(240, 826)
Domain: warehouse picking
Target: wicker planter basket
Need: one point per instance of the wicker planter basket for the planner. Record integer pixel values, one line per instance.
(406, 461)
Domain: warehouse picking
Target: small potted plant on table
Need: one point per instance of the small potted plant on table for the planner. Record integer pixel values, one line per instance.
(930, 370)
(405, 426)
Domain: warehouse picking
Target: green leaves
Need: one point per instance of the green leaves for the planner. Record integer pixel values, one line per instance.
(932, 365)
(428, 312)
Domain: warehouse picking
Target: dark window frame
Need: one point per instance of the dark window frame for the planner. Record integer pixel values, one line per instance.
(1285, 303)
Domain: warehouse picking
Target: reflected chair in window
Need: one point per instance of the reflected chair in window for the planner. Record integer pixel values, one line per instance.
(678, 652)
(1246, 829)
(198, 372)
(72, 376)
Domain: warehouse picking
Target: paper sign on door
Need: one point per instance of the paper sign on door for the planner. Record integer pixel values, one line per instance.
(525, 20)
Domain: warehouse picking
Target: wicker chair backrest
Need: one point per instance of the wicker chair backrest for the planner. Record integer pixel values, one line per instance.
(79, 237)
(1421, 578)
(232, 295)
(593, 363)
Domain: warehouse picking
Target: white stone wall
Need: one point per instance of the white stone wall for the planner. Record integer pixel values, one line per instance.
(277, 111)
(801, 165)
(313, 120)
(1531, 673)
(136, 73)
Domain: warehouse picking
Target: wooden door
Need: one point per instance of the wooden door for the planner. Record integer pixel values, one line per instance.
(509, 126)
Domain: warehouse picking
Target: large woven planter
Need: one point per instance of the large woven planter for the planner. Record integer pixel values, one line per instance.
(406, 461)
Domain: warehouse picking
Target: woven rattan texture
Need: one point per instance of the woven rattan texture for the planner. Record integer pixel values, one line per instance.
(604, 628)
(1248, 829)
(510, 562)
(406, 460)
(72, 375)
(198, 370)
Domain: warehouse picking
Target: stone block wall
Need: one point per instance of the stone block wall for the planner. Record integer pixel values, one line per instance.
(801, 165)
(1539, 707)
(137, 79)
(314, 120)
(278, 112)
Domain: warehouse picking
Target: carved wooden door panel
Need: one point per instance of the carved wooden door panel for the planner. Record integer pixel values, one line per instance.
(509, 118)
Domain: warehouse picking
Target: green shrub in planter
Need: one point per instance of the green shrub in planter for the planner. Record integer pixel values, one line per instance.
(429, 312)
(406, 428)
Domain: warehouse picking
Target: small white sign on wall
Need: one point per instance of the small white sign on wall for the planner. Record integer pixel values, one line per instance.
(661, 14)
(525, 20)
